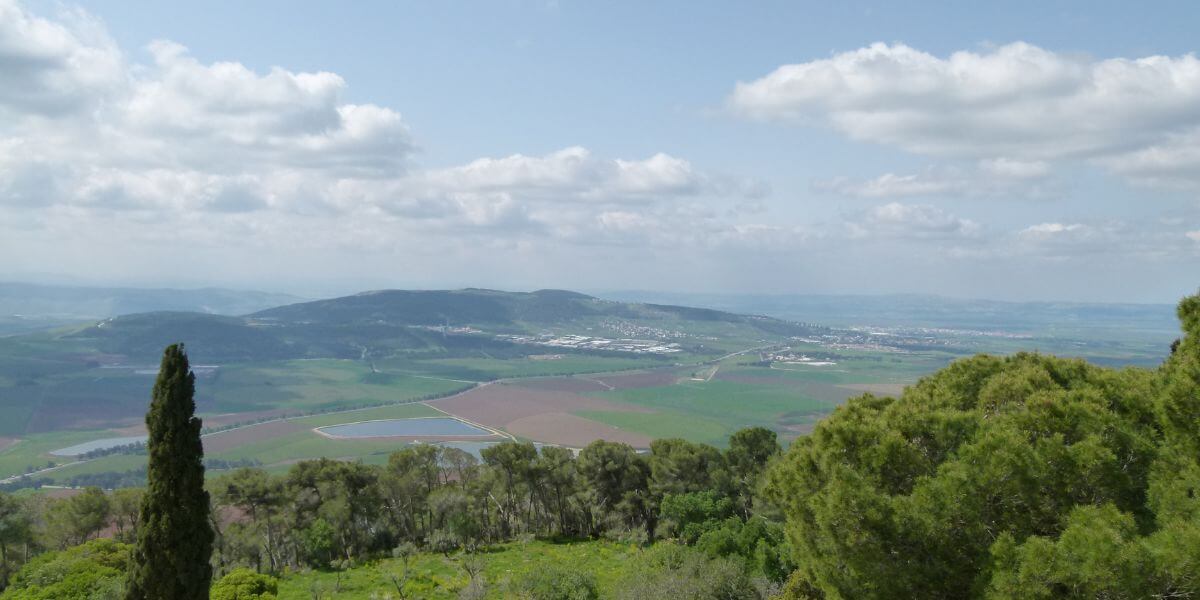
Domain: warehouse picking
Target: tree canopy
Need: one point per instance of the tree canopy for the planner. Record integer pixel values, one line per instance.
(1024, 476)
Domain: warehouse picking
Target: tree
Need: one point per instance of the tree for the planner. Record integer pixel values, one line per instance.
(1026, 476)
(750, 450)
(513, 463)
(690, 515)
(678, 466)
(74, 520)
(260, 497)
(125, 504)
(15, 529)
(618, 483)
(174, 542)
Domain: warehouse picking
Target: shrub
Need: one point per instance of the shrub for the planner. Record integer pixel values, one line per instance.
(244, 584)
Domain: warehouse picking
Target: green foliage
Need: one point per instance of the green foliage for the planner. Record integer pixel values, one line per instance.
(244, 584)
(688, 516)
(1027, 476)
(16, 525)
(76, 519)
(92, 571)
(617, 479)
(174, 542)
(559, 582)
(758, 542)
(681, 573)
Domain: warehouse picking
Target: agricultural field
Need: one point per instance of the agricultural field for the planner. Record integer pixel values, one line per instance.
(514, 364)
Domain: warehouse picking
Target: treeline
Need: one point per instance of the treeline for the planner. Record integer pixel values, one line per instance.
(330, 514)
(326, 513)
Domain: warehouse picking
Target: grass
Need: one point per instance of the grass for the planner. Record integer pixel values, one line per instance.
(314, 385)
(484, 368)
(666, 424)
(737, 404)
(436, 577)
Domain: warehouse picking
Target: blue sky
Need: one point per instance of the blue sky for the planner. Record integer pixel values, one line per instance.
(771, 147)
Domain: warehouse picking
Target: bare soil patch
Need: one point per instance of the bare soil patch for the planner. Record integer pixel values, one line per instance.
(503, 406)
(225, 440)
(881, 389)
(5, 442)
(572, 430)
(575, 385)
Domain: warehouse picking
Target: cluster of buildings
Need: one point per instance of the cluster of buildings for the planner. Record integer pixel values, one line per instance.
(791, 357)
(584, 342)
(634, 331)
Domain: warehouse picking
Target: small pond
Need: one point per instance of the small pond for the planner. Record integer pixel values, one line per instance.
(433, 426)
(103, 444)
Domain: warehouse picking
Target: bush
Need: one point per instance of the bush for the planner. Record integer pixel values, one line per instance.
(244, 584)
(554, 583)
(682, 573)
(92, 571)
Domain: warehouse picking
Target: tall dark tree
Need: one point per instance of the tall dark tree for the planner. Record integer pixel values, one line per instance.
(174, 542)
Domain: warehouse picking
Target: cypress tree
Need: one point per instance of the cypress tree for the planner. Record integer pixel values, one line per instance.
(174, 542)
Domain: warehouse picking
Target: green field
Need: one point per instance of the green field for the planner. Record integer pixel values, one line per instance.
(311, 385)
(483, 368)
(665, 424)
(734, 404)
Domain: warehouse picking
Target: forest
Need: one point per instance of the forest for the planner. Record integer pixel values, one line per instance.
(1021, 476)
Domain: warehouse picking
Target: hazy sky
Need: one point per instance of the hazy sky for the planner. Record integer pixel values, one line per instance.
(1040, 150)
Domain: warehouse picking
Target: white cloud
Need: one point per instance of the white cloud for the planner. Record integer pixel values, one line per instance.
(1175, 162)
(50, 68)
(991, 178)
(891, 185)
(1016, 107)
(1194, 236)
(913, 221)
(1015, 169)
(175, 139)
(574, 171)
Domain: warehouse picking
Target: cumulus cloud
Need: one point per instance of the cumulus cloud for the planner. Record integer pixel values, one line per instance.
(176, 139)
(1194, 236)
(50, 68)
(1016, 107)
(913, 221)
(575, 172)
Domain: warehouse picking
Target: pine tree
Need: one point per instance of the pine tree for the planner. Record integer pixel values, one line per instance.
(174, 542)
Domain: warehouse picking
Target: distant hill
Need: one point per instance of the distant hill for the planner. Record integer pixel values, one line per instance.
(474, 306)
(384, 322)
(30, 306)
